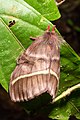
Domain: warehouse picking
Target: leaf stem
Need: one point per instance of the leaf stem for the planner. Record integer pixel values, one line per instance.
(67, 92)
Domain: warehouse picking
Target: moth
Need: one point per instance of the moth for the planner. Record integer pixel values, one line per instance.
(11, 23)
(38, 68)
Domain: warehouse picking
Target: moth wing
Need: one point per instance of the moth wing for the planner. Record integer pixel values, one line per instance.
(23, 87)
(53, 82)
(35, 72)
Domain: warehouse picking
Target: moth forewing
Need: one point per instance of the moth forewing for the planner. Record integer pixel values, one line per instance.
(38, 69)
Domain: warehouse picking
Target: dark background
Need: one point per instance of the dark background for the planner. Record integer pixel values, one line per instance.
(69, 27)
(69, 23)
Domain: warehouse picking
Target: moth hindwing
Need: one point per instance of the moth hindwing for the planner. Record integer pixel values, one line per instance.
(38, 69)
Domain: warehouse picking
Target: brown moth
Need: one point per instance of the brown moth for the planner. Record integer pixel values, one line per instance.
(38, 68)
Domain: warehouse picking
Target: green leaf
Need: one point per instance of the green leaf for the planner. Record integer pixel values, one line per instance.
(10, 49)
(70, 68)
(47, 8)
(66, 107)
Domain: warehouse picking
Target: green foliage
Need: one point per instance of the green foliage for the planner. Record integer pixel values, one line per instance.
(66, 107)
(70, 68)
(32, 19)
(10, 48)
(47, 8)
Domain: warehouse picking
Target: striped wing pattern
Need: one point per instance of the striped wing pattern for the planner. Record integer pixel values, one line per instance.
(38, 69)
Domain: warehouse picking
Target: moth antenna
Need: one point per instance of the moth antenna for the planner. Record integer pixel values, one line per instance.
(53, 29)
(48, 28)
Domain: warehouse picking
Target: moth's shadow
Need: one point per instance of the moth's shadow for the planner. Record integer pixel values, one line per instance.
(36, 104)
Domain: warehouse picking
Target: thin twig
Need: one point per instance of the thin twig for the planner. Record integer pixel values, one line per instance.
(67, 92)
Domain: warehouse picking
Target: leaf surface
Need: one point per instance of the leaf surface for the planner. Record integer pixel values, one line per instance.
(10, 48)
(47, 8)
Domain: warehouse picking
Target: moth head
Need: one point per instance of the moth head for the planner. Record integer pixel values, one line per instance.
(50, 35)
(53, 29)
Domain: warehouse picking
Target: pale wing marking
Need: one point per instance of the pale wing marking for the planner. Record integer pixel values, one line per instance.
(36, 73)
